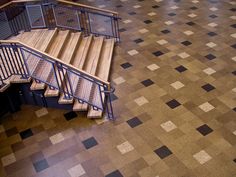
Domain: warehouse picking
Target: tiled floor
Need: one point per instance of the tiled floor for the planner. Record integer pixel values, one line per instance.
(175, 102)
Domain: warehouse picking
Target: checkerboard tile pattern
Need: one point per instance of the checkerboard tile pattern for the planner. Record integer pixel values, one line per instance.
(175, 100)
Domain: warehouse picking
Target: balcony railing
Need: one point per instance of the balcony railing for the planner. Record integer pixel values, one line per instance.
(33, 14)
(18, 59)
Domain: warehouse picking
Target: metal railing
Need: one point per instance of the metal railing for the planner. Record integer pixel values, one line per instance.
(18, 59)
(33, 14)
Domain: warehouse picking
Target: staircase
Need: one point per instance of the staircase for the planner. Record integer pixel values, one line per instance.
(91, 54)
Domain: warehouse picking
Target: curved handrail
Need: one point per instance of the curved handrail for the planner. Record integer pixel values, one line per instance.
(57, 60)
(62, 1)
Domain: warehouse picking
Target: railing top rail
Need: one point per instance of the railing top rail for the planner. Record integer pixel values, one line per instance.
(63, 1)
(55, 59)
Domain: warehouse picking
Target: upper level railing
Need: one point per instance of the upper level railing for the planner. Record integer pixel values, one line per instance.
(18, 59)
(33, 14)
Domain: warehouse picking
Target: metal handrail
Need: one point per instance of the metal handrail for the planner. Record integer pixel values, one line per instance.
(17, 57)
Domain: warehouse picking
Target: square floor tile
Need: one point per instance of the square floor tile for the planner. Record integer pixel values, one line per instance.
(41, 112)
(113, 97)
(181, 68)
(122, 30)
(70, 115)
(57, 138)
(190, 23)
(169, 22)
(172, 14)
(153, 67)
(188, 33)
(152, 13)
(177, 85)
(183, 55)
(168, 126)
(76, 171)
(233, 46)
(209, 71)
(119, 80)
(158, 53)
(212, 34)
(208, 87)
(202, 157)
(114, 174)
(9, 159)
(90, 142)
(132, 13)
(204, 129)
(186, 43)
(234, 58)
(173, 104)
(233, 35)
(155, 6)
(133, 52)
(210, 57)
(234, 132)
(11, 131)
(212, 24)
(134, 122)
(26, 134)
(127, 21)
(163, 152)
(213, 16)
(41, 165)
(125, 147)
(192, 15)
(136, 6)
(174, 7)
(162, 42)
(213, 9)
(144, 30)
(206, 107)
(165, 31)
(137, 41)
(126, 65)
(141, 101)
(147, 21)
(147, 82)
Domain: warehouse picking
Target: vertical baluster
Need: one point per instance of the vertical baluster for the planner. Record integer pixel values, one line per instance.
(15, 49)
(4, 63)
(12, 58)
(25, 62)
(21, 64)
(6, 57)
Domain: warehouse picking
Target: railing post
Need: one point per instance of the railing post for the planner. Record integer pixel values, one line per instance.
(2, 84)
(108, 102)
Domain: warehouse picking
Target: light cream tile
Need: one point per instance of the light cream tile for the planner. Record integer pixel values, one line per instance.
(234, 58)
(213, 9)
(169, 22)
(211, 44)
(188, 33)
(76, 171)
(202, 157)
(136, 6)
(153, 67)
(125, 147)
(119, 80)
(209, 71)
(212, 24)
(174, 7)
(233, 17)
(183, 55)
(162, 42)
(144, 30)
(133, 52)
(127, 21)
(141, 101)
(41, 112)
(206, 107)
(152, 14)
(234, 89)
(168, 126)
(234, 132)
(57, 138)
(177, 85)
(158, 0)
(9, 159)
(233, 35)
(195, 1)
(192, 15)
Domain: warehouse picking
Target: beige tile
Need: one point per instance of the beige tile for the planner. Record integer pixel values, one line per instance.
(168, 126)
(144, 30)
(234, 58)
(136, 6)
(202, 157)
(195, 1)
(183, 55)
(76, 171)
(233, 35)
(119, 80)
(188, 33)
(141, 101)
(233, 17)
(57, 138)
(192, 15)
(212, 24)
(209, 71)
(9, 159)
(162, 42)
(153, 67)
(177, 85)
(133, 52)
(152, 13)
(234, 132)
(174, 7)
(41, 112)
(125, 147)
(213, 9)
(211, 44)
(206, 107)
(169, 22)
(127, 21)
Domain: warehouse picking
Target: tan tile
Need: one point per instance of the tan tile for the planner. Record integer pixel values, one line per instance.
(133, 52)
(141, 101)
(206, 107)
(41, 112)
(153, 67)
(162, 42)
(119, 80)
(76, 171)
(202, 157)
(57, 138)
(9, 159)
(125, 147)
(209, 71)
(177, 85)
(183, 55)
(188, 32)
(168, 126)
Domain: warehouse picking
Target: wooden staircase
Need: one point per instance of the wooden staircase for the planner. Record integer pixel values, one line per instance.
(91, 54)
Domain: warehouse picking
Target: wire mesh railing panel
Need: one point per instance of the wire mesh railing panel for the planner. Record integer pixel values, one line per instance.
(35, 15)
(66, 17)
(100, 24)
(4, 26)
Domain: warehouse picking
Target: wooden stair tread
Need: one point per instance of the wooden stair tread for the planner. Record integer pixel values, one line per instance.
(78, 62)
(103, 73)
(85, 87)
